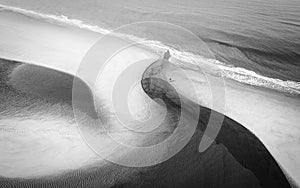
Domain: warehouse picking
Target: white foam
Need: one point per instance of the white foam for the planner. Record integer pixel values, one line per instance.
(235, 73)
(59, 19)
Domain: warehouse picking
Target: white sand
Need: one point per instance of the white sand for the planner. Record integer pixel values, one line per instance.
(273, 117)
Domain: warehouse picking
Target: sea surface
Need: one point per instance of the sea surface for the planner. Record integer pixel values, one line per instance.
(254, 42)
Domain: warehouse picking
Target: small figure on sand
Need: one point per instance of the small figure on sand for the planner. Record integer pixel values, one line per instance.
(167, 55)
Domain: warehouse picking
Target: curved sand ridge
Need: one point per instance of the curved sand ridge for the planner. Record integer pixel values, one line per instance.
(230, 161)
(240, 142)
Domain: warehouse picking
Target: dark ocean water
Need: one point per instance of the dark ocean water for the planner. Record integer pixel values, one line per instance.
(259, 36)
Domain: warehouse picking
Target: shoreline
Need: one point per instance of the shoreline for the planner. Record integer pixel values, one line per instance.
(238, 74)
(64, 52)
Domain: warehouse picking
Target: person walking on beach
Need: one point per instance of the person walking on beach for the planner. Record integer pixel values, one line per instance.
(166, 57)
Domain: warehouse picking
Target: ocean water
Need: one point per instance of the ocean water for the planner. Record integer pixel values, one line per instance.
(253, 42)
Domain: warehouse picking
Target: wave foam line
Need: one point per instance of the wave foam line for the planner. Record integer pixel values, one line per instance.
(60, 19)
(235, 73)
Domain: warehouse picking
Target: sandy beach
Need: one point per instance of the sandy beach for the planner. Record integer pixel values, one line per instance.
(270, 115)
